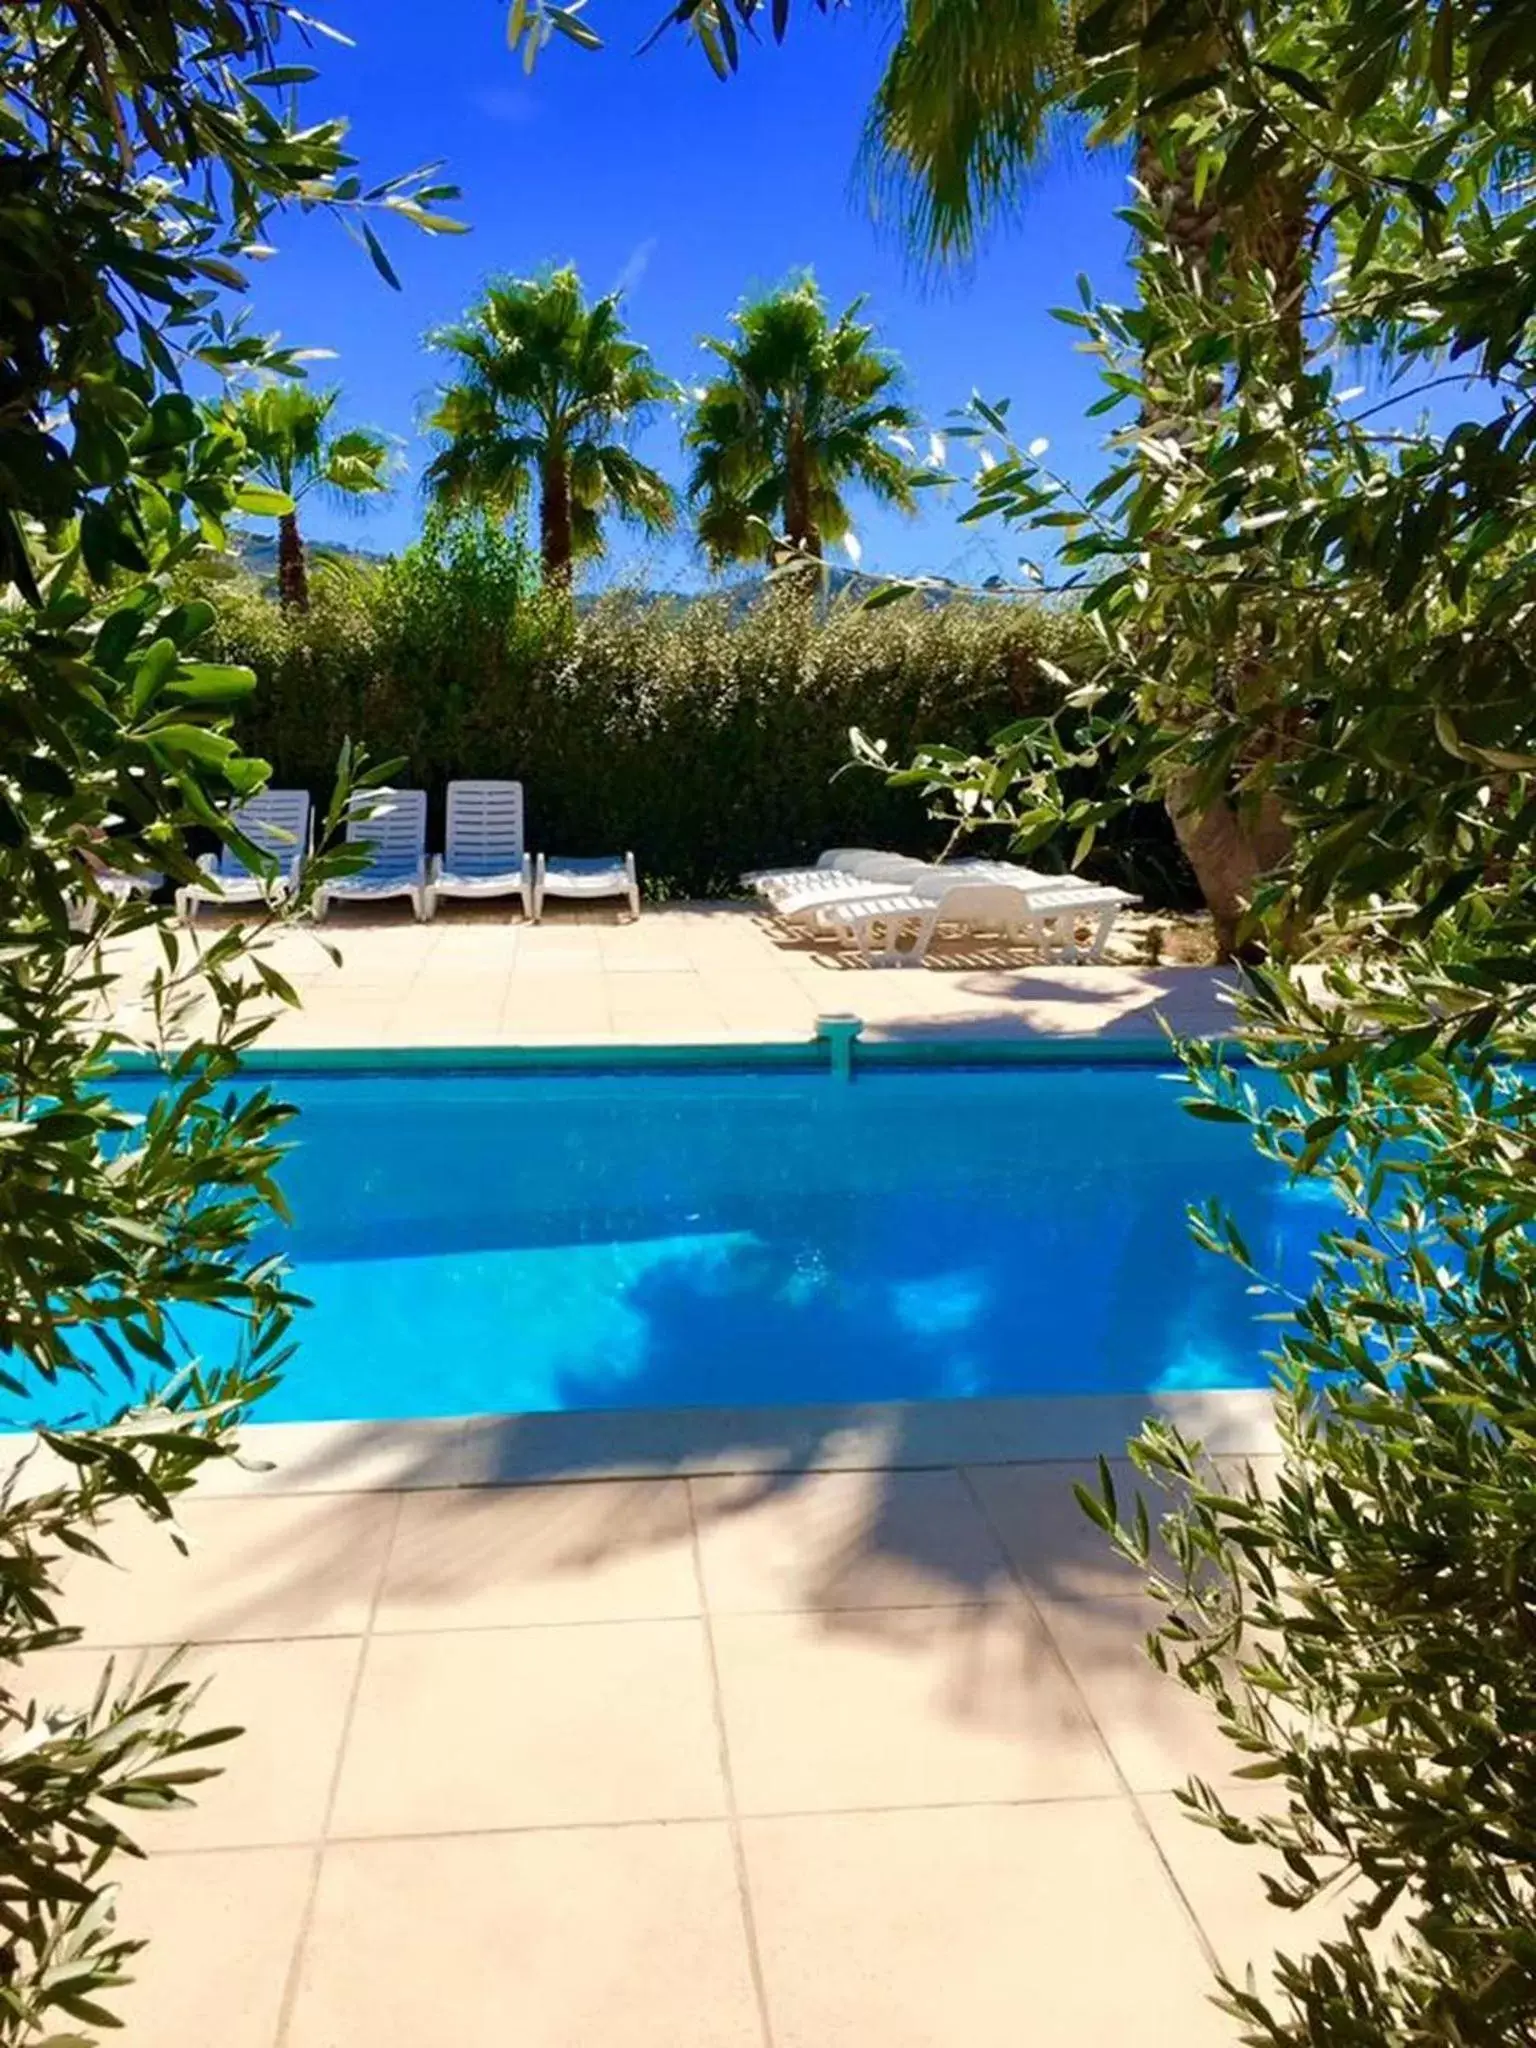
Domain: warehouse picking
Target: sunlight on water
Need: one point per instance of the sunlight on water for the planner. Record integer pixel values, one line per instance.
(477, 1243)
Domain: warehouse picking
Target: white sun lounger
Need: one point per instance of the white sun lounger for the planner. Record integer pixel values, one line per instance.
(483, 852)
(843, 858)
(123, 888)
(1018, 904)
(890, 928)
(392, 823)
(852, 868)
(608, 875)
(276, 822)
(840, 871)
(895, 927)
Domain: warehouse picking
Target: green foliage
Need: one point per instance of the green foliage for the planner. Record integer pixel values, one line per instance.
(1306, 609)
(546, 389)
(709, 740)
(291, 448)
(962, 114)
(805, 406)
(144, 151)
(1302, 603)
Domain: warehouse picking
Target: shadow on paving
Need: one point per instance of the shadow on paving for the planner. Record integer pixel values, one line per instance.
(851, 1512)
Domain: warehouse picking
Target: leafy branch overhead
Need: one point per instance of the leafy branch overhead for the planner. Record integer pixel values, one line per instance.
(1314, 642)
(146, 149)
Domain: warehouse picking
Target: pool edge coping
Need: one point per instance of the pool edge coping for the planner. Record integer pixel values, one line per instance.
(814, 1054)
(453, 1452)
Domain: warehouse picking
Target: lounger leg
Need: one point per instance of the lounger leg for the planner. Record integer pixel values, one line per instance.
(890, 952)
(1107, 918)
(634, 886)
(186, 906)
(922, 939)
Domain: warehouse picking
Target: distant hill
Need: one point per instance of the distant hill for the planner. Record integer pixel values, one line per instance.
(257, 552)
(740, 596)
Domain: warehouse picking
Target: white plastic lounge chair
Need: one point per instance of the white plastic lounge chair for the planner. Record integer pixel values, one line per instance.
(896, 927)
(799, 904)
(608, 875)
(854, 868)
(838, 857)
(276, 821)
(392, 823)
(483, 846)
(889, 929)
(120, 887)
(1063, 910)
(837, 869)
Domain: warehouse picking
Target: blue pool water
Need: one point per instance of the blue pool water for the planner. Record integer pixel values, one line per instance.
(504, 1241)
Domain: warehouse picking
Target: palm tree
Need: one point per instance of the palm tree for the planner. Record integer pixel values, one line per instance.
(971, 91)
(288, 437)
(547, 387)
(972, 94)
(802, 409)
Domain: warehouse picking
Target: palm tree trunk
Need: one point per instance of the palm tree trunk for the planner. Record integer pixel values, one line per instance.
(799, 526)
(1230, 848)
(292, 572)
(555, 543)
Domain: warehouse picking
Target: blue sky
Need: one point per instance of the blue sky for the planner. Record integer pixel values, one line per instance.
(647, 172)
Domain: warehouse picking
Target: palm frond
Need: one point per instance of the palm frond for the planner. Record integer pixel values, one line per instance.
(799, 393)
(541, 375)
(962, 113)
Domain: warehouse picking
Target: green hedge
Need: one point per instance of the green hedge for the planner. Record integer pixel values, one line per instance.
(708, 737)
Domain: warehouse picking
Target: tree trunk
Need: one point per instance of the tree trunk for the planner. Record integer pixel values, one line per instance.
(292, 574)
(555, 545)
(799, 525)
(1230, 854)
(1229, 848)
(800, 577)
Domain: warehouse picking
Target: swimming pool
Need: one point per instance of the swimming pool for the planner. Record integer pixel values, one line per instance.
(514, 1241)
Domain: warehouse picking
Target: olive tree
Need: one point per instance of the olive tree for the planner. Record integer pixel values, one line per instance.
(1305, 596)
(145, 148)
(1309, 601)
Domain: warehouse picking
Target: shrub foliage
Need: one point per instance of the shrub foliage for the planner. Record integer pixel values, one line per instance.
(709, 737)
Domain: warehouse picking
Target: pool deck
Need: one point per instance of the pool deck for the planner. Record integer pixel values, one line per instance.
(693, 974)
(812, 1728)
(762, 1749)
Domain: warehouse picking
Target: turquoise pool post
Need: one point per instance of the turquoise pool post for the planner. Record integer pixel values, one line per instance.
(839, 1029)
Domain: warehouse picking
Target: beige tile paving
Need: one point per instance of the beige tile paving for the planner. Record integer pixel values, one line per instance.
(222, 1931)
(843, 1540)
(532, 1727)
(621, 1551)
(901, 1707)
(685, 973)
(736, 1762)
(1057, 1552)
(274, 1567)
(984, 1926)
(627, 1937)
(1157, 1732)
